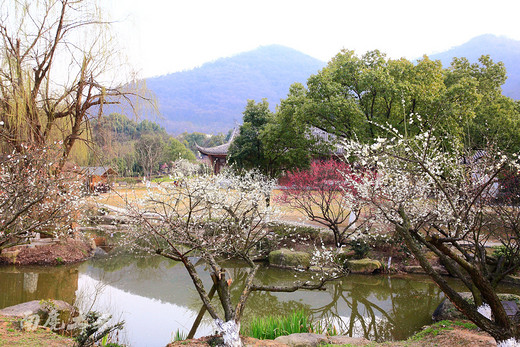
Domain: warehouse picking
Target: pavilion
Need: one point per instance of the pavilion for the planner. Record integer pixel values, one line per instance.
(217, 156)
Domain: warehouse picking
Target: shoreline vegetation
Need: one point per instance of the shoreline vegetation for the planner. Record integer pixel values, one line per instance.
(57, 252)
(444, 333)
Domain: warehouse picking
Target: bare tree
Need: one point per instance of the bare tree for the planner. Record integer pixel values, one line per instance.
(215, 218)
(444, 200)
(55, 59)
(149, 149)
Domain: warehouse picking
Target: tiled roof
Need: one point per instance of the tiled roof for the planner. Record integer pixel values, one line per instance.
(218, 150)
(95, 170)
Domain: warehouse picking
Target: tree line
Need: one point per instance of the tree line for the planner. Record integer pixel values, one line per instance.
(135, 148)
(354, 95)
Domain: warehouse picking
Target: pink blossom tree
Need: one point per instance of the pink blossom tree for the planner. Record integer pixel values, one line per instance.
(326, 194)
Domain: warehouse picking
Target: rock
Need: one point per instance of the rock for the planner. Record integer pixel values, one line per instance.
(447, 311)
(302, 340)
(289, 259)
(33, 307)
(99, 253)
(252, 342)
(364, 266)
(10, 255)
(347, 340)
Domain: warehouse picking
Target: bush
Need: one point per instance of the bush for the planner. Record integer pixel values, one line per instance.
(360, 248)
(303, 231)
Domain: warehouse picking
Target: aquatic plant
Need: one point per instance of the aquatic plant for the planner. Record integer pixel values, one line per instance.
(269, 328)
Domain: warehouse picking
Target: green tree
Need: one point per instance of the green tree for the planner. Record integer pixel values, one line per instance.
(247, 150)
(495, 117)
(174, 150)
(287, 142)
(352, 94)
(274, 142)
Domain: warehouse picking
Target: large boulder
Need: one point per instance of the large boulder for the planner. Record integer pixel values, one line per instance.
(35, 313)
(447, 311)
(364, 266)
(35, 307)
(303, 340)
(9, 255)
(286, 258)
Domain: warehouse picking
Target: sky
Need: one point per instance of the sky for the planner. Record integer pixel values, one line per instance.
(165, 36)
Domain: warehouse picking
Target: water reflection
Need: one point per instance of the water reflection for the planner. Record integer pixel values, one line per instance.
(376, 307)
(155, 297)
(21, 284)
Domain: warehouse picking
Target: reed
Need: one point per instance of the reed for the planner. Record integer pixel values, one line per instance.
(271, 327)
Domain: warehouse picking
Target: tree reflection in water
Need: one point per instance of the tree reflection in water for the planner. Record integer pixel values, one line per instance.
(375, 307)
(380, 308)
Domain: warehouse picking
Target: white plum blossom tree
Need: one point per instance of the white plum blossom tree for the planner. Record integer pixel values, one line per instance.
(214, 218)
(35, 196)
(445, 200)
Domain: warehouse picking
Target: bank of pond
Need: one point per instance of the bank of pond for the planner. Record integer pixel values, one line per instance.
(156, 299)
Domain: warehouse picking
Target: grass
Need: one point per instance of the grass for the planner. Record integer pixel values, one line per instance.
(435, 329)
(179, 335)
(271, 327)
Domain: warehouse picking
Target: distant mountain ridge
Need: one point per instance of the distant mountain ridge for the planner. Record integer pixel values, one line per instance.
(499, 48)
(212, 97)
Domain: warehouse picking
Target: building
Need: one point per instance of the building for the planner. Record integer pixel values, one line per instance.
(98, 178)
(216, 157)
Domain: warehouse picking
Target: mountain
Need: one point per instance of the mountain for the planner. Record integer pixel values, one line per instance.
(212, 97)
(499, 48)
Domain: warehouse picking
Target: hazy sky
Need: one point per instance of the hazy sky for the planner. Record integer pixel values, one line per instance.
(163, 36)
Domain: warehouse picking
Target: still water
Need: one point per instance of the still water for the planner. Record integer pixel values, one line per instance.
(155, 297)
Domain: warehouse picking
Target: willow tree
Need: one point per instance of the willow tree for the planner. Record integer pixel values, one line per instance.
(55, 59)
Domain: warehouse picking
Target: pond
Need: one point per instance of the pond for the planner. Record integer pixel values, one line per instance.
(155, 297)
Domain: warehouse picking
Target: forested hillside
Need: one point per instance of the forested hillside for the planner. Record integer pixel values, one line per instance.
(211, 98)
(137, 148)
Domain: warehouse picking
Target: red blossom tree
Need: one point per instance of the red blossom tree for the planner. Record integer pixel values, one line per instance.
(325, 194)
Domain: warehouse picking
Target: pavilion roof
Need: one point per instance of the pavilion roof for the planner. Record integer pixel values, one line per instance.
(218, 150)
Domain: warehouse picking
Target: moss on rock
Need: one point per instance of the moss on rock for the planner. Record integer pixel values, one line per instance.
(364, 266)
(289, 259)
